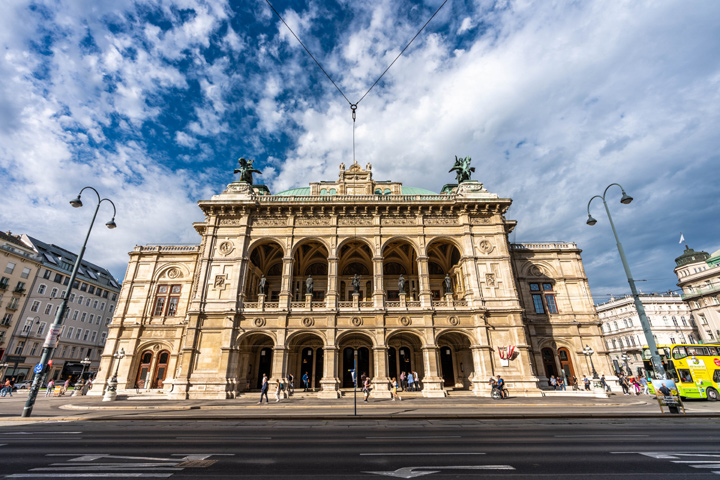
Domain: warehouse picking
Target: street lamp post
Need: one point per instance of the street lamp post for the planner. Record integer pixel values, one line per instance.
(54, 331)
(111, 392)
(355, 377)
(625, 357)
(655, 357)
(588, 352)
(85, 362)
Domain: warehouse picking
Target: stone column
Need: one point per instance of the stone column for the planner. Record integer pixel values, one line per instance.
(380, 382)
(243, 374)
(424, 279)
(286, 285)
(330, 383)
(279, 361)
(480, 385)
(432, 383)
(379, 289)
(332, 288)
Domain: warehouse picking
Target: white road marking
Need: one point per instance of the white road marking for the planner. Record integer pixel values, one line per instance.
(41, 433)
(410, 472)
(219, 437)
(598, 436)
(89, 475)
(418, 454)
(421, 437)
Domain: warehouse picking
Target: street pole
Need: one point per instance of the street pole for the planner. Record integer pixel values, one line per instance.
(588, 354)
(54, 331)
(355, 377)
(652, 346)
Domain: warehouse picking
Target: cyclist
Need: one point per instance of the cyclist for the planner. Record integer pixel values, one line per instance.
(501, 387)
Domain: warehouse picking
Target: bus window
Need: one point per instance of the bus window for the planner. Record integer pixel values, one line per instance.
(664, 352)
(646, 354)
(685, 376)
(712, 351)
(716, 376)
(695, 351)
(680, 352)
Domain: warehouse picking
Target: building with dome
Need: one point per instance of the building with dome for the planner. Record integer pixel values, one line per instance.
(699, 278)
(299, 281)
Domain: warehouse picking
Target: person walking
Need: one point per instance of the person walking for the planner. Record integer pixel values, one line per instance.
(394, 389)
(366, 389)
(623, 384)
(50, 387)
(411, 382)
(6, 388)
(291, 384)
(586, 382)
(644, 384)
(306, 381)
(278, 390)
(264, 389)
(417, 381)
(403, 381)
(604, 384)
(66, 385)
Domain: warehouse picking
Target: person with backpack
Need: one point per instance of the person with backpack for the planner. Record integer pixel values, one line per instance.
(306, 381)
(366, 389)
(586, 381)
(278, 390)
(264, 389)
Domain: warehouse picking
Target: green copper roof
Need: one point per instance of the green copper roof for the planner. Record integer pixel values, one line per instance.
(691, 256)
(305, 191)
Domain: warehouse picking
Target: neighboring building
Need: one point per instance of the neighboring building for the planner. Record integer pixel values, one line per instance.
(18, 266)
(670, 321)
(193, 321)
(699, 278)
(89, 311)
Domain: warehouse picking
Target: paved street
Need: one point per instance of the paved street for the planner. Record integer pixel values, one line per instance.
(255, 449)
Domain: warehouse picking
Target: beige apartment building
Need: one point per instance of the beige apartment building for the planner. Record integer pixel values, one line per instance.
(18, 266)
(299, 281)
(699, 278)
(670, 320)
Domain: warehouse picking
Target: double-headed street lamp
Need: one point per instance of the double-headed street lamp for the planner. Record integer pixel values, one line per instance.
(111, 391)
(54, 331)
(625, 357)
(588, 352)
(655, 357)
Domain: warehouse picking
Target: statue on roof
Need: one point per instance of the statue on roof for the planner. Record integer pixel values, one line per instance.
(462, 169)
(246, 170)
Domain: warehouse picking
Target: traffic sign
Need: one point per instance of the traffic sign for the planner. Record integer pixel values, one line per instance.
(38, 368)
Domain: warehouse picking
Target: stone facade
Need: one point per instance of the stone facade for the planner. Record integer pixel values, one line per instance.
(699, 278)
(194, 322)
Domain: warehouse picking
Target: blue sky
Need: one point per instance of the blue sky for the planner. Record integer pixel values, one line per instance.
(153, 102)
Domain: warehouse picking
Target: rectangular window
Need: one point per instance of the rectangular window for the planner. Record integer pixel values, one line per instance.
(41, 328)
(95, 304)
(4, 282)
(552, 306)
(53, 293)
(48, 308)
(172, 306)
(83, 287)
(25, 273)
(703, 320)
(87, 302)
(91, 289)
(7, 318)
(10, 267)
(78, 333)
(20, 347)
(86, 335)
(72, 352)
(102, 306)
(103, 337)
(80, 300)
(92, 317)
(64, 352)
(159, 305)
(94, 337)
(58, 278)
(83, 317)
(75, 314)
(537, 301)
(70, 331)
(47, 274)
(33, 349)
(35, 306)
(72, 297)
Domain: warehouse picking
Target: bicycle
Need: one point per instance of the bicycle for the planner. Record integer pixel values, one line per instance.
(496, 394)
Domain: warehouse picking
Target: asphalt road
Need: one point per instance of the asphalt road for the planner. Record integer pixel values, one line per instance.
(254, 449)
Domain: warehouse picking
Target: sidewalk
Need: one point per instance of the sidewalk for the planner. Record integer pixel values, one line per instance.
(157, 407)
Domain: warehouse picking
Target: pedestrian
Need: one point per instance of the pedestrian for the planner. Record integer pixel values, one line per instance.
(291, 384)
(553, 382)
(644, 384)
(49, 389)
(417, 381)
(66, 385)
(586, 381)
(604, 384)
(362, 378)
(278, 390)
(411, 382)
(306, 381)
(366, 388)
(264, 389)
(7, 388)
(561, 384)
(623, 384)
(394, 389)
(403, 384)
(574, 383)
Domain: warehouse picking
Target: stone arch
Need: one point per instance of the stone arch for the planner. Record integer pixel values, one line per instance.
(298, 334)
(151, 372)
(302, 241)
(538, 269)
(405, 353)
(444, 238)
(265, 257)
(306, 354)
(166, 271)
(255, 357)
(400, 265)
(455, 358)
(355, 256)
(347, 342)
(450, 330)
(445, 259)
(343, 337)
(403, 238)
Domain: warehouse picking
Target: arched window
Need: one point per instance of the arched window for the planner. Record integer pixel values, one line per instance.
(161, 369)
(333, 191)
(143, 369)
(323, 191)
(386, 192)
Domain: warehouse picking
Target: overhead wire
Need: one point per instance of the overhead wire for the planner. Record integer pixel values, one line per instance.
(353, 106)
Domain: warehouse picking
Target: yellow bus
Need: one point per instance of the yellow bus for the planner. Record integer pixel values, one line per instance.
(695, 368)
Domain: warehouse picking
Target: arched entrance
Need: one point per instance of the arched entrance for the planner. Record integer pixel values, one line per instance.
(256, 354)
(265, 259)
(161, 369)
(404, 354)
(143, 373)
(348, 344)
(456, 361)
(548, 358)
(306, 355)
(310, 260)
(566, 365)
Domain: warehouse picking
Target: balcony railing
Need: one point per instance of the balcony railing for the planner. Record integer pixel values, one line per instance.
(544, 246)
(19, 290)
(3, 286)
(698, 292)
(406, 199)
(17, 251)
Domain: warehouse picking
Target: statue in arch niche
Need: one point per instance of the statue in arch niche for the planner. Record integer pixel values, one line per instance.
(401, 284)
(309, 285)
(462, 169)
(246, 170)
(356, 284)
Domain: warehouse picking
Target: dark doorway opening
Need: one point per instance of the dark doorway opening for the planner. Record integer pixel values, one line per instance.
(264, 365)
(446, 361)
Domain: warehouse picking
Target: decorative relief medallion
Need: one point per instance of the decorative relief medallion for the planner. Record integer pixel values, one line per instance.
(536, 271)
(405, 321)
(269, 222)
(230, 221)
(441, 221)
(313, 221)
(226, 247)
(308, 322)
(219, 281)
(156, 347)
(259, 322)
(355, 221)
(479, 220)
(454, 321)
(485, 247)
(490, 279)
(174, 273)
(357, 321)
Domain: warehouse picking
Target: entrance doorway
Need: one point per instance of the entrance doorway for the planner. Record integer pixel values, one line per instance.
(549, 362)
(264, 365)
(144, 369)
(446, 362)
(363, 364)
(161, 369)
(566, 365)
